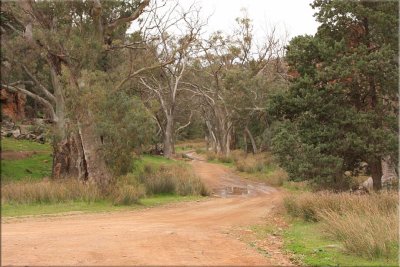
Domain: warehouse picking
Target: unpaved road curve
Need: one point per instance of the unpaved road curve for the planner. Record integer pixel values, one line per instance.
(190, 233)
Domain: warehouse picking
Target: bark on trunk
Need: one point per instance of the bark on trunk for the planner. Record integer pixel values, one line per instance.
(79, 156)
(376, 173)
(389, 175)
(68, 159)
(168, 137)
(97, 170)
(245, 142)
(253, 142)
(223, 129)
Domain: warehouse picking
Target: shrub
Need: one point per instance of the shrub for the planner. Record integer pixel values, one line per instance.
(174, 179)
(224, 159)
(221, 158)
(210, 155)
(200, 151)
(369, 235)
(277, 177)
(158, 182)
(252, 163)
(309, 206)
(366, 224)
(187, 183)
(127, 194)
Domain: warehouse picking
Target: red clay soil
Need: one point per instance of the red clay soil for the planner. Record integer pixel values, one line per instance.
(191, 233)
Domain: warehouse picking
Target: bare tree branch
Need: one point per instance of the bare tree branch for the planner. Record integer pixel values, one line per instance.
(43, 89)
(111, 26)
(185, 125)
(139, 71)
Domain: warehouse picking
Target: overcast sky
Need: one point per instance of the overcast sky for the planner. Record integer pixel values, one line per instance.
(296, 16)
(291, 17)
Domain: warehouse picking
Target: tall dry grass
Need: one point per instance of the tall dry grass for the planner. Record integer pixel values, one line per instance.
(51, 192)
(126, 194)
(367, 225)
(48, 192)
(251, 163)
(127, 190)
(261, 164)
(210, 155)
(172, 179)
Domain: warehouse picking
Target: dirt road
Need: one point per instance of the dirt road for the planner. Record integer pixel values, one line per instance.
(190, 233)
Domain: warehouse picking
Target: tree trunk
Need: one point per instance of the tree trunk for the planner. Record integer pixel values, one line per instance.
(207, 142)
(376, 173)
(68, 159)
(97, 170)
(389, 175)
(253, 142)
(245, 142)
(168, 137)
(212, 137)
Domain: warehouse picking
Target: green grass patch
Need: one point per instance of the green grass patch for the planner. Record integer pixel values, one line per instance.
(310, 246)
(297, 187)
(32, 168)
(8, 210)
(11, 144)
(151, 160)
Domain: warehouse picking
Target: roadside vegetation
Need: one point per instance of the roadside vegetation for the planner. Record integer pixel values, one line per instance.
(27, 189)
(318, 112)
(259, 167)
(365, 225)
(325, 228)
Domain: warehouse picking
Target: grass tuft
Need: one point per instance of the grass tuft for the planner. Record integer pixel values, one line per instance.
(367, 225)
(48, 192)
(172, 179)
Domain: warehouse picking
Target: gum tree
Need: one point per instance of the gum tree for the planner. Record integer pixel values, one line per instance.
(54, 46)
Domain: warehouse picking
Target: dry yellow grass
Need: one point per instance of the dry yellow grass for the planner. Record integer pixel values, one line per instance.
(367, 225)
(48, 192)
(172, 179)
(127, 194)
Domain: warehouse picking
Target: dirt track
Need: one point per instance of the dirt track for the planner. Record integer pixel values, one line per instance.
(191, 233)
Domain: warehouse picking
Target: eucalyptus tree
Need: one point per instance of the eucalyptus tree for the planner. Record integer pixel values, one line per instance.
(173, 32)
(56, 48)
(226, 77)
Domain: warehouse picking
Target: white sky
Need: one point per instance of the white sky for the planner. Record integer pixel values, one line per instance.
(291, 17)
(296, 16)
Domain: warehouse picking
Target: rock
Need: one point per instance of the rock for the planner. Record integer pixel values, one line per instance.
(21, 137)
(30, 136)
(16, 133)
(25, 129)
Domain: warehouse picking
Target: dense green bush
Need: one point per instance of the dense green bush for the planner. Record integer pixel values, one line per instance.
(125, 126)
